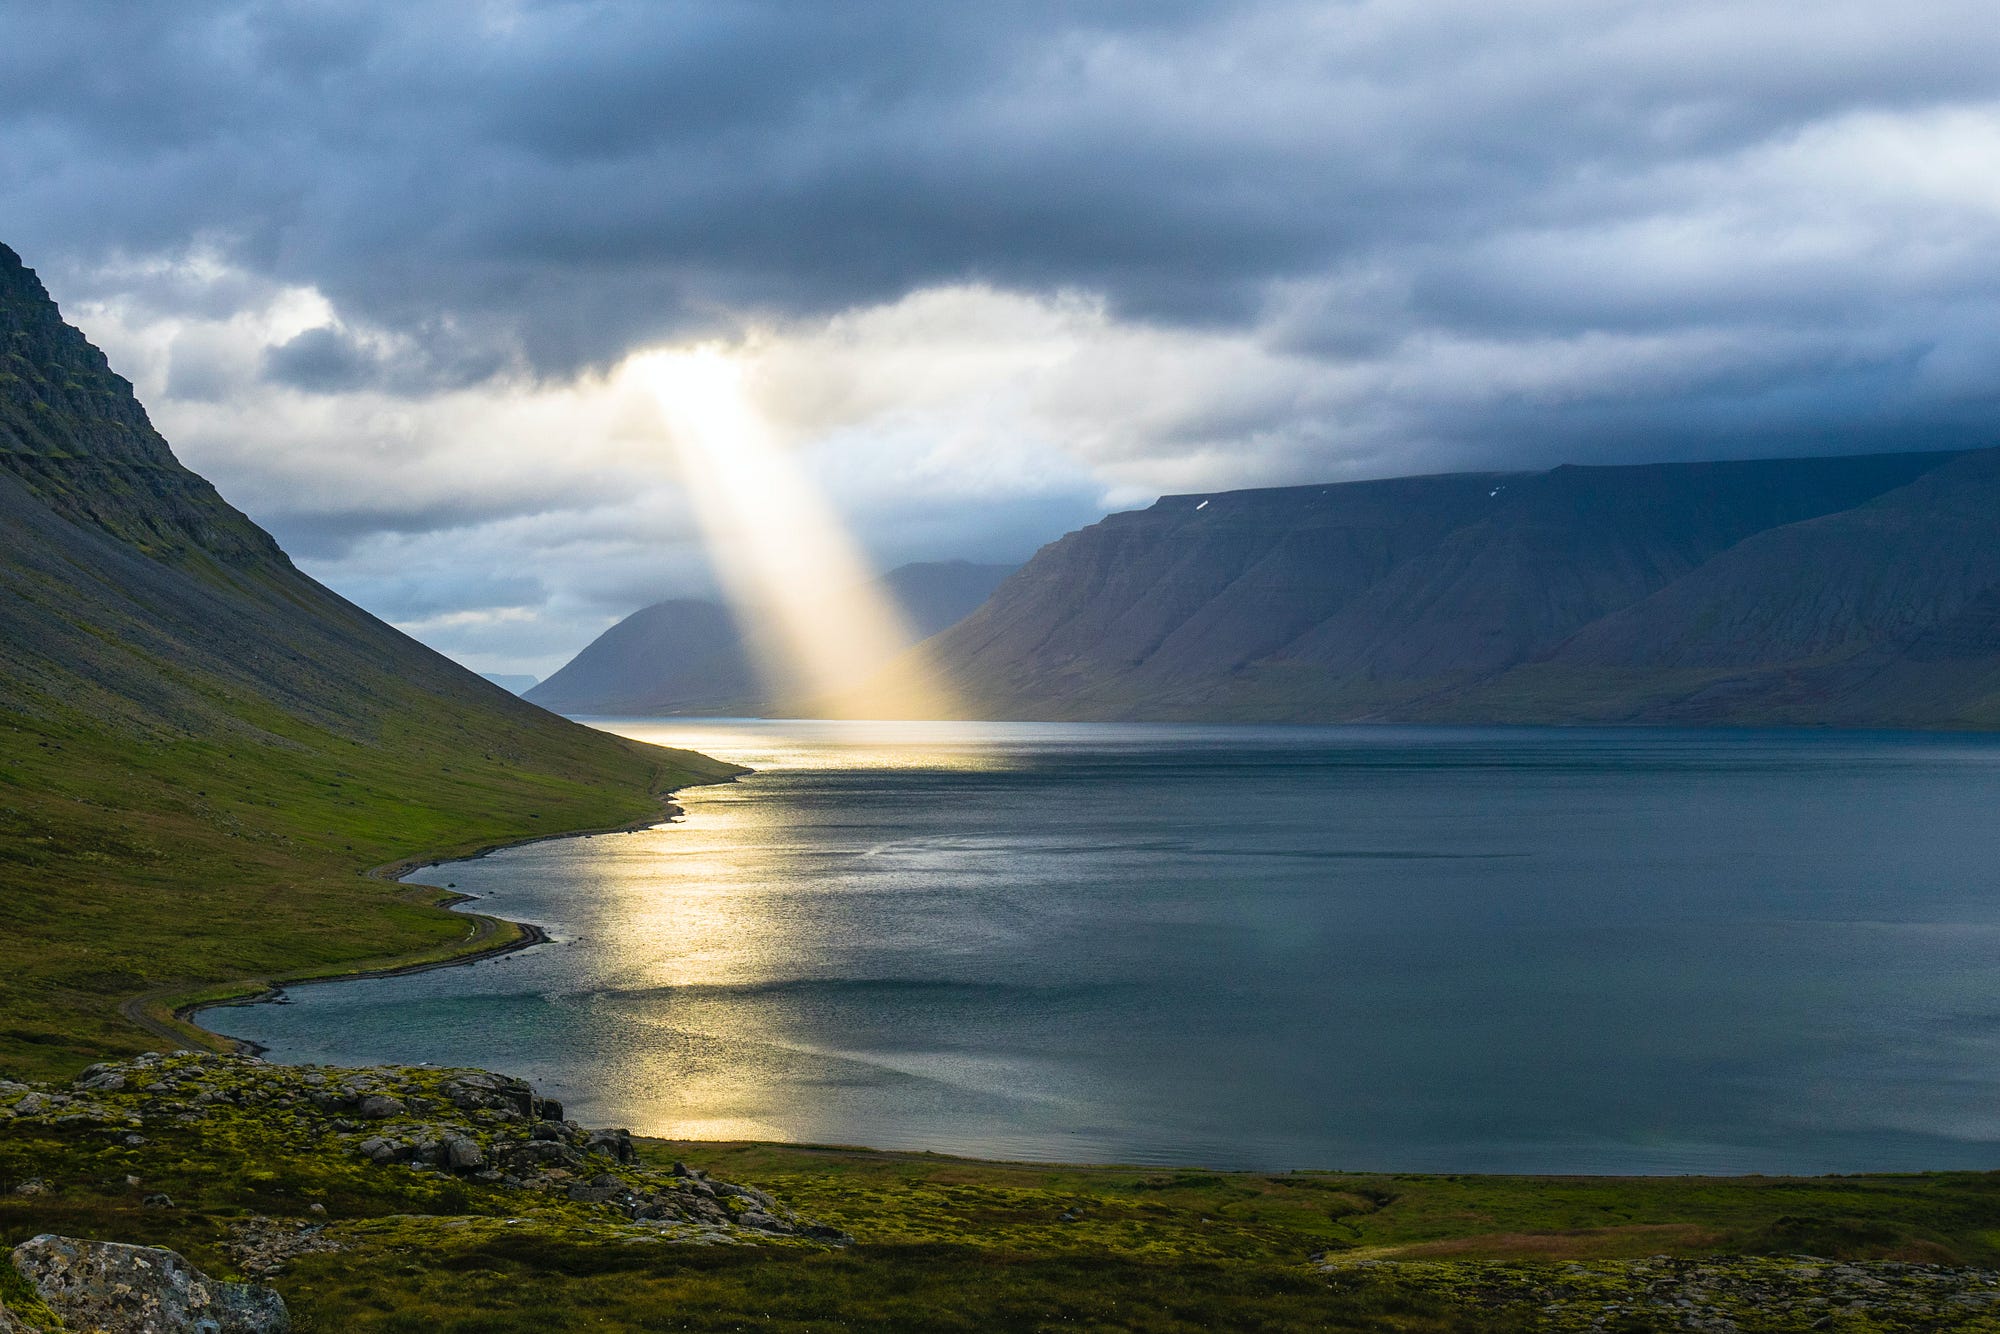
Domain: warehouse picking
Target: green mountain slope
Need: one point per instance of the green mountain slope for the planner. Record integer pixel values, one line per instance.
(202, 749)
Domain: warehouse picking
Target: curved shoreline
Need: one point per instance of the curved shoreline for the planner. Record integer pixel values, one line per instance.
(170, 1013)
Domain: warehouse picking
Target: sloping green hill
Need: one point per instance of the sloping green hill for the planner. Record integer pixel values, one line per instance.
(202, 749)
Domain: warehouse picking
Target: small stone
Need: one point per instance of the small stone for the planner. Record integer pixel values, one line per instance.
(159, 1201)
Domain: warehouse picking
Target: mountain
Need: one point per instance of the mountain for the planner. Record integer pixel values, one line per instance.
(1852, 591)
(689, 656)
(201, 747)
(518, 685)
(684, 655)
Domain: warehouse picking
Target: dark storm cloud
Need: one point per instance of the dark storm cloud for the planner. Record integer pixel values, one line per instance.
(552, 184)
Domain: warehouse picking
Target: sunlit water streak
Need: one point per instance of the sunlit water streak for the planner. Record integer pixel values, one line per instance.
(1370, 948)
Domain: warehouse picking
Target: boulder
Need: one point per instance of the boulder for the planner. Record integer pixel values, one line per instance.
(101, 1079)
(119, 1289)
(379, 1107)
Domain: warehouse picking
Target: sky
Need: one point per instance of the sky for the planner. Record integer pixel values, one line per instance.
(387, 272)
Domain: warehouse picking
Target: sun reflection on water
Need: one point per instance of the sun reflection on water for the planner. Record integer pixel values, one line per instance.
(708, 937)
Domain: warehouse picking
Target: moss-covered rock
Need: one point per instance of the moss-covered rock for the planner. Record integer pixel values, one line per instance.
(462, 1127)
(112, 1288)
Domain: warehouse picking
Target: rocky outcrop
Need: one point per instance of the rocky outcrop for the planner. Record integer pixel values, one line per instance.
(71, 430)
(119, 1289)
(479, 1127)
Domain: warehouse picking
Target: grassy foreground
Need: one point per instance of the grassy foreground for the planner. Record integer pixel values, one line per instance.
(249, 1171)
(167, 867)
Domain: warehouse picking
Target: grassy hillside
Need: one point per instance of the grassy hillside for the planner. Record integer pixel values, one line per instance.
(132, 865)
(202, 750)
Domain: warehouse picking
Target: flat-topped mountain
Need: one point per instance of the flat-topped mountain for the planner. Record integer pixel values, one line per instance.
(200, 746)
(1841, 591)
(690, 655)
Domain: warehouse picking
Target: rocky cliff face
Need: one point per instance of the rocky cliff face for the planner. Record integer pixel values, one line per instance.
(1780, 590)
(72, 433)
(132, 591)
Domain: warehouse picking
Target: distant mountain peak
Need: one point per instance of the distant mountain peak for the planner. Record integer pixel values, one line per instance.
(691, 656)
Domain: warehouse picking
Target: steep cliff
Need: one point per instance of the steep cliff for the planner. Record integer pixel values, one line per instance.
(1795, 590)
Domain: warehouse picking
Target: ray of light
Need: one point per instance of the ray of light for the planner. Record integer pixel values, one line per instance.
(829, 639)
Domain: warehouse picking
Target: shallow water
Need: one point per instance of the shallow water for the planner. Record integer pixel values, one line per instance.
(1396, 948)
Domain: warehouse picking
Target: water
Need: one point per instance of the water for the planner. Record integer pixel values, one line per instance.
(1370, 948)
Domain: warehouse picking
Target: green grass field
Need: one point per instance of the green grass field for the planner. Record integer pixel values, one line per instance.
(951, 1244)
(171, 867)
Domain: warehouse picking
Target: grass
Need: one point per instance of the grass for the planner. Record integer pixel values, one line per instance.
(182, 866)
(954, 1244)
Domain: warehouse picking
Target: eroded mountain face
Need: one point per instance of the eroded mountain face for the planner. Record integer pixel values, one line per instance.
(1778, 590)
(76, 438)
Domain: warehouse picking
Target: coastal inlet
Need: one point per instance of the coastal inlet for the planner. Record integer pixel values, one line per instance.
(1422, 949)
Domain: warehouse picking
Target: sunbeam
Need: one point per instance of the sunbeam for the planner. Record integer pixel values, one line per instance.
(824, 632)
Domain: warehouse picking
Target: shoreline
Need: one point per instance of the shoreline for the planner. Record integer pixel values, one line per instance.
(171, 1014)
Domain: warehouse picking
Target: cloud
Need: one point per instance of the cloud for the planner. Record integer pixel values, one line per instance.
(377, 266)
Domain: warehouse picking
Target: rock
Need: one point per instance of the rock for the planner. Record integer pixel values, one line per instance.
(482, 1090)
(33, 1186)
(595, 1194)
(549, 1130)
(158, 1201)
(380, 1106)
(104, 1081)
(34, 1104)
(119, 1289)
(464, 1155)
(749, 1194)
(522, 1157)
(617, 1143)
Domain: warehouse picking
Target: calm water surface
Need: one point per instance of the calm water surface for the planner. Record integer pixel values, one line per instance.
(1420, 949)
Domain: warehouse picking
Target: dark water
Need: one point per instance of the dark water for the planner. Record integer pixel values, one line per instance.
(1423, 949)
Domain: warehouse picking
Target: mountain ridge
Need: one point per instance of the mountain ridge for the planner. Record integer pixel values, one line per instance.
(1496, 597)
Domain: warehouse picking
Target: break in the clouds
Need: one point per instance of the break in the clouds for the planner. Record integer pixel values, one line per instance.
(378, 268)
